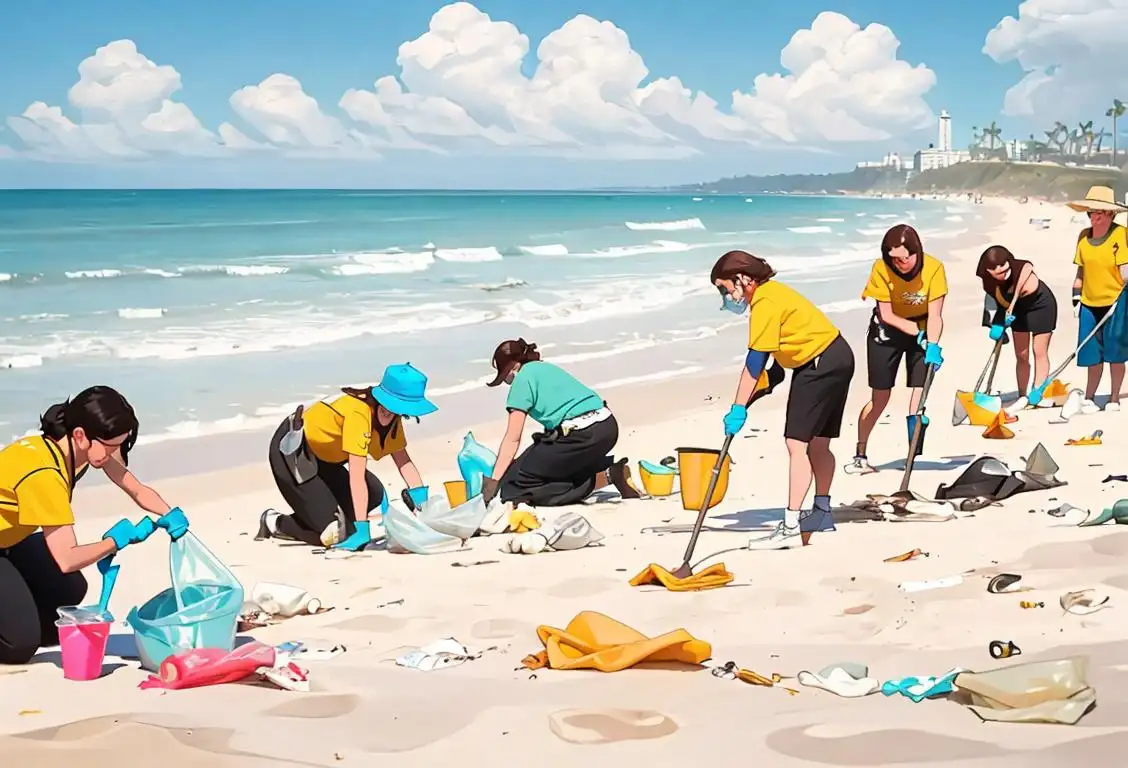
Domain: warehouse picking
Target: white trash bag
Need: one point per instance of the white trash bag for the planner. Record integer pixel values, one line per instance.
(407, 533)
(462, 521)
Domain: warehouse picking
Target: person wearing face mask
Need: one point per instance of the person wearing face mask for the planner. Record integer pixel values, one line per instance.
(1101, 257)
(324, 478)
(786, 326)
(571, 458)
(1017, 299)
(909, 287)
(40, 557)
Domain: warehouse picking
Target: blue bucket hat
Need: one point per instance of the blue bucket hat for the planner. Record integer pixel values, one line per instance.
(402, 391)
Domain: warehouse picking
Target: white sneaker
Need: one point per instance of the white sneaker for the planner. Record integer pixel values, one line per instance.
(782, 537)
(331, 536)
(1088, 408)
(859, 466)
(1114, 407)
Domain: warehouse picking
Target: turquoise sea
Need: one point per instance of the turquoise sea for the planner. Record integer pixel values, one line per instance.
(214, 311)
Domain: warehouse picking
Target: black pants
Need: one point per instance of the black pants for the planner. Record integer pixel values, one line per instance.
(315, 502)
(557, 470)
(32, 587)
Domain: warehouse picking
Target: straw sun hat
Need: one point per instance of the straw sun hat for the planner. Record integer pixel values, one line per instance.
(1098, 199)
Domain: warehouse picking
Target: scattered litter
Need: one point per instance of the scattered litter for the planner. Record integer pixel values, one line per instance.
(295, 651)
(922, 586)
(729, 671)
(527, 543)
(1117, 513)
(390, 603)
(1093, 439)
(289, 677)
(213, 666)
(848, 679)
(1116, 479)
(283, 600)
(905, 556)
(997, 429)
(1035, 692)
(918, 689)
(476, 562)
(989, 477)
(440, 654)
(1026, 604)
(976, 503)
(714, 576)
(1003, 650)
(595, 641)
(1066, 509)
(1084, 602)
(30, 712)
(1005, 582)
(567, 531)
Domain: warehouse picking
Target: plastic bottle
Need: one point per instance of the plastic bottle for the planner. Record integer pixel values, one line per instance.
(284, 600)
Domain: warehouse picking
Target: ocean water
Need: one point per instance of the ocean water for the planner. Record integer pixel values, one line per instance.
(215, 311)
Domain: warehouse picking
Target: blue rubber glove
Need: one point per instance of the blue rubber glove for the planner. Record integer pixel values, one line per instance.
(933, 355)
(123, 532)
(997, 332)
(175, 522)
(359, 539)
(734, 420)
(1008, 320)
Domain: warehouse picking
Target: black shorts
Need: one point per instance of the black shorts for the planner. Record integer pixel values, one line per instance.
(1035, 314)
(885, 347)
(817, 400)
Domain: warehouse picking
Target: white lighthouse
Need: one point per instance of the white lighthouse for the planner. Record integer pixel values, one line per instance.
(945, 139)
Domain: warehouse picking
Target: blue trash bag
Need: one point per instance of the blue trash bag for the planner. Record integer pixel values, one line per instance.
(475, 461)
(200, 609)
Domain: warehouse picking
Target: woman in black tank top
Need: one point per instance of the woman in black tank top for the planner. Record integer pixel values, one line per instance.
(1015, 293)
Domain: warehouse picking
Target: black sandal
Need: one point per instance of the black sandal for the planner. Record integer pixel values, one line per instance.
(620, 476)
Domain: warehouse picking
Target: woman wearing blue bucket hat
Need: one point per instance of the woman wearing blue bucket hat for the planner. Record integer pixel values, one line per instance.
(572, 457)
(319, 459)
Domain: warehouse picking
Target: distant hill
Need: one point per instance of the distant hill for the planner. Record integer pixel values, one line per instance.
(1055, 182)
(857, 181)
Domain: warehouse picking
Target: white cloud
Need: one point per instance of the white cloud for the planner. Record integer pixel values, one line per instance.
(1072, 54)
(462, 87)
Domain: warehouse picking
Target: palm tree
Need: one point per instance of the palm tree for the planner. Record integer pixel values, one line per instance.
(1085, 134)
(1116, 111)
(1058, 136)
(1099, 137)
(992, 134)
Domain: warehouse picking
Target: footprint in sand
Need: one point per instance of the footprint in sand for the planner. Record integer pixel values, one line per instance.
(583, 586)
(372, 623)
(496, 629)
(316, 708)
(608, 726)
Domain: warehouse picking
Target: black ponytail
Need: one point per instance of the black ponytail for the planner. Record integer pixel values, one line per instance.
(102, 413)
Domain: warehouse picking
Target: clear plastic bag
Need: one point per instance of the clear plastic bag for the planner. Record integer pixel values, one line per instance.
(407, 533)
(461, 522)
(475, 461)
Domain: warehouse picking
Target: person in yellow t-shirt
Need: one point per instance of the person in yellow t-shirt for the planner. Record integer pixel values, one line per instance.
(784, 325)
(909, 287)
(319, 460)
(1101, 257)
(41, 561)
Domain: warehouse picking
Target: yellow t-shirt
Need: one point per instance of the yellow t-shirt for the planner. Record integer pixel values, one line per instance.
(35, 489)
(909, 298)
(1100, 264)
(342, 428)
(786, 324)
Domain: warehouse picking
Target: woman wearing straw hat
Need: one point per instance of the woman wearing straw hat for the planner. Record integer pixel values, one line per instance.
(784, 325)
(909, 287)
(1102, 266)
(323, 474)
(572, 457)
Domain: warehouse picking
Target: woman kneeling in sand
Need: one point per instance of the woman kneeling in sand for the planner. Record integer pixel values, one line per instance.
(572, 457)
(1018, 300)
(1101, 257)
(327, 469)
(785, 325)
(40, 571)
(909, 287)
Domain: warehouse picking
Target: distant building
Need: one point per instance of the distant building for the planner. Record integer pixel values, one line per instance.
(892, 162)
(941, 154)
(945, 143)
(1017, 150)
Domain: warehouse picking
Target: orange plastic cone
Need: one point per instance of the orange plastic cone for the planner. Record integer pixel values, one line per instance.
(998, 429)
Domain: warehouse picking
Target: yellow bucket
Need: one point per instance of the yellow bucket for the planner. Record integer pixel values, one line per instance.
(655, 483)
(456, 492)
(695, 465)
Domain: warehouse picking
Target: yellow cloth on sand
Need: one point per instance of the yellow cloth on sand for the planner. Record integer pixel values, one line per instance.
(523, 521)
(594, 641)
(714, 576)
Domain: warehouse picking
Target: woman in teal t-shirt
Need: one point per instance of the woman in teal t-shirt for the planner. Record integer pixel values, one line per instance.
(572, 457)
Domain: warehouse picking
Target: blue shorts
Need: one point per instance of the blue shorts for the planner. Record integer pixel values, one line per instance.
(1110, 344)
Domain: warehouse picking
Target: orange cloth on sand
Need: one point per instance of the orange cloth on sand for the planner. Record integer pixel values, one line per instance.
(712, 577)
(998, 428)
(594, 641)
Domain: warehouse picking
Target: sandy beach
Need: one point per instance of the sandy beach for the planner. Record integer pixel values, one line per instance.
(786, 611)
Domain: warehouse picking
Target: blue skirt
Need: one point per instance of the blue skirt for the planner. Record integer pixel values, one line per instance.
(1110, 344)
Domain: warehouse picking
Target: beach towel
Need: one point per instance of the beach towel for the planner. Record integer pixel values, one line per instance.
(716, 575)
(595, 641)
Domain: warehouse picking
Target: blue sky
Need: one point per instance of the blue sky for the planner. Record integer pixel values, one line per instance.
(716, 46)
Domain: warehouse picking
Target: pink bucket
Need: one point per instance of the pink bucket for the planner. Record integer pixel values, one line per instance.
(83, 648)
